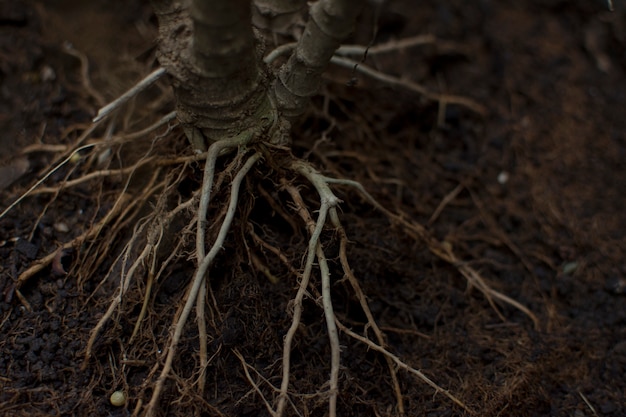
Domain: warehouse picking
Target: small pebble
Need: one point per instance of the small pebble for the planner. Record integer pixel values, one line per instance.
(503, 177)
(118, 398)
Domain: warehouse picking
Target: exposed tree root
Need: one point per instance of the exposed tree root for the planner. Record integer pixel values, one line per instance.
(141, 263)
(201, 271)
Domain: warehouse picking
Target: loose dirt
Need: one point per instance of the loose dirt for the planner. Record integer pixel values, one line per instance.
(530, 194)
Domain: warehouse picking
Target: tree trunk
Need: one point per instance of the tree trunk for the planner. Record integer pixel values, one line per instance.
(220, 83)
(212, 56)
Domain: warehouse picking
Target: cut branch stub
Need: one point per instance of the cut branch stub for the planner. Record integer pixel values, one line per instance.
(211, 54)
(330, 22)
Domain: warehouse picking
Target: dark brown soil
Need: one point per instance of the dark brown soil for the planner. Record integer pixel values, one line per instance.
(531, 195)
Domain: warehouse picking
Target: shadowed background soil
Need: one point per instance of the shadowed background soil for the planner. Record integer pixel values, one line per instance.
(532, 195)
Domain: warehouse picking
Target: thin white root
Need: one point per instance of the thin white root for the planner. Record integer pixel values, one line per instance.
(297, 307)
(409, 85)
(328, 200)
(45, 177)
(333, 335)
(136, 89)
(199, 278)
(391, 46)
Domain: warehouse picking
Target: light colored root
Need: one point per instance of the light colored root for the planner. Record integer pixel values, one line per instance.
(147, 292)
(74, 150)
(144, 307)
(278, 209)
(333, 336)
(84, 71)
(201, 271)
(49, 173)
(404, 366)
(444, 202)
(153, 241)
(154, 236)
(93, 258)
(91, 176)
(215, 150)
(140, 133)
(315, 229)
(391, 46)
(327, 207)
(136, 89)
(328, 201)
(274, 250)
(202, 334)
(154, 276)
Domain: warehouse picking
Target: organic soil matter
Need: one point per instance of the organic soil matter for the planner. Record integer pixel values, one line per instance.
(531, 194)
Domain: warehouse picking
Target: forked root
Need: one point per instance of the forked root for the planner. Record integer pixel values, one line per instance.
(201, 272)
(328, 202)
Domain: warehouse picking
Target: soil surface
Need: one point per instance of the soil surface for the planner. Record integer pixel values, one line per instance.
(530, 193)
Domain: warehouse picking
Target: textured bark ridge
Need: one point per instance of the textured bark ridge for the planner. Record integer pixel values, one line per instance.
(211, 54)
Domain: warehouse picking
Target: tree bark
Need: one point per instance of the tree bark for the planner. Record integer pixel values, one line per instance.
(211, 54)
(330, 22)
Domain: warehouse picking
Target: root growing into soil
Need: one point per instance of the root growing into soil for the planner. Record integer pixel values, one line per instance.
(141, 261)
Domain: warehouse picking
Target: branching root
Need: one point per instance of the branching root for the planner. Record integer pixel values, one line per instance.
(140, 264)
